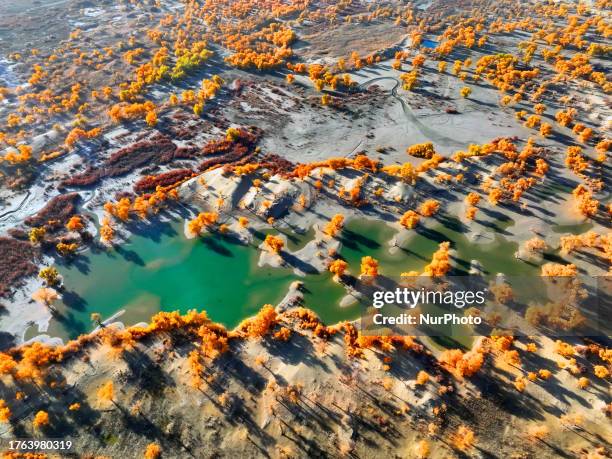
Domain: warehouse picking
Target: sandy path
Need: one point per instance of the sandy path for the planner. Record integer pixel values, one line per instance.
(411, 117)
(16, 209)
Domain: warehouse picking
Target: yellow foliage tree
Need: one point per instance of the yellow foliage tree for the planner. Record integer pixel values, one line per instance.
(274, 243)
(106, 393)
(41, 419)
(153, 451)
(5, 411)
(334, 226)
(338, 268)
(410, 219)
(429, 208)
(369, 266)
(465, 92)
(440, 262)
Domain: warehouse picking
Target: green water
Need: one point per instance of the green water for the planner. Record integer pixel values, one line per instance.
(162, 270)
(168, 272)
(369, 237)
(578, 228)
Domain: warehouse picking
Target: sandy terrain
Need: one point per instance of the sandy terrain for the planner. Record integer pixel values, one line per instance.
(238, 134)
(304, 398)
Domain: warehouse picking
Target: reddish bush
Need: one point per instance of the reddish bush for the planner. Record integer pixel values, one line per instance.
(242, 149)
(188, 132)
(151, 182)
(17, 233)
(87, 178)
(218, 147)
(158, 149)
(17, 260)
(237, 153)
(276, 164)
(56, 213)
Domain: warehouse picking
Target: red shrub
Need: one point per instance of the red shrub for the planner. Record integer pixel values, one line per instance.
(231, 152)
(56, 213)
(151, 182)
(17, 260)
(158, 149)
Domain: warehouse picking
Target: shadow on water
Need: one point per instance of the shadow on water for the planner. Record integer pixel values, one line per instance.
(73, 300)
(447, 342)
(130, 256)
(355, 240)
(216, 246)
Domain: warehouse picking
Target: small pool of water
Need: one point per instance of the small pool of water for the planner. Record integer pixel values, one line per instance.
(578, 228)
(428, 43)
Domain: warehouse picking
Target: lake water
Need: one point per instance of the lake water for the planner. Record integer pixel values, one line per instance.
(166, 271)
(162, 270)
